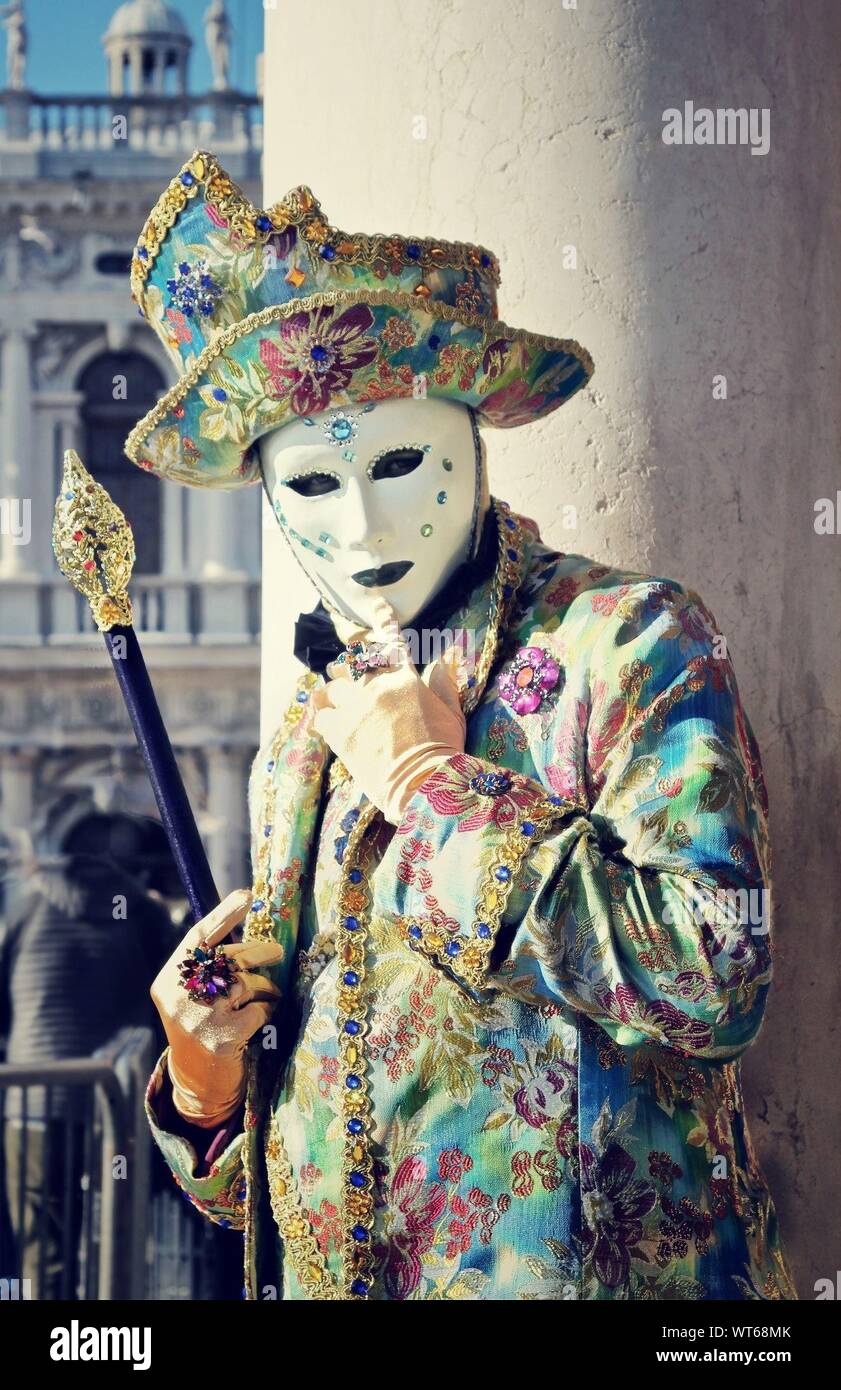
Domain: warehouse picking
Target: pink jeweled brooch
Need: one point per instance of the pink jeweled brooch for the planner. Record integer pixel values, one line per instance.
(529, 677)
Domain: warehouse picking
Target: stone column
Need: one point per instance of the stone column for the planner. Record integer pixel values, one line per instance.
(706, 282)
(19, 581)
(17, 774)
(226, 820)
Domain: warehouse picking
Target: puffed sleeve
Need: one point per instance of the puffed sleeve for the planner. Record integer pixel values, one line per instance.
(641, 899)
(206, 1164)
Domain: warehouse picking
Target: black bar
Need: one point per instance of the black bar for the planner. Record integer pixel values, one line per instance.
(153, 741)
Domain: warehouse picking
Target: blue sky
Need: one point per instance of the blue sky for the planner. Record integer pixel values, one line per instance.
(66, 54)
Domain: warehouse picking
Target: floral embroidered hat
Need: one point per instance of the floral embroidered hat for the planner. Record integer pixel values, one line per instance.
(273, 315)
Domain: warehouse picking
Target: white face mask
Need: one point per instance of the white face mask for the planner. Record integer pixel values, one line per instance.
(378, 499)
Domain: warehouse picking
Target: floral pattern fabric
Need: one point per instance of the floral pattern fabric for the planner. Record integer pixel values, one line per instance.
(557, 1103)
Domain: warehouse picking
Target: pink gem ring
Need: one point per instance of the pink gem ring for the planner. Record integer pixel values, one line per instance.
(207, 973)
(527, 680)
(362, 657)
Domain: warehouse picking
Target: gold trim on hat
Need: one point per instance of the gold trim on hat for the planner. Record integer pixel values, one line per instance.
(435, 308)
(300, 208)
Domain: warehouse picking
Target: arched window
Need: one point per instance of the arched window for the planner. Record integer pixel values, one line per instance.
(118, 388)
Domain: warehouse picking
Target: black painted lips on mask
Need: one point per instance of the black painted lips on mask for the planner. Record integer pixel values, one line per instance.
(386, 574)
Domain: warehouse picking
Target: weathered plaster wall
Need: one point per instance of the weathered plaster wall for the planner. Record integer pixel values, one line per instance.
(544, 132)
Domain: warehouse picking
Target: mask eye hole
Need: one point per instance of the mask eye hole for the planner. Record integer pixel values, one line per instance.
(395, 463)
(313, 484)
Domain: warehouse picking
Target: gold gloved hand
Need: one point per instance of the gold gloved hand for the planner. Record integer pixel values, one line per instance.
(392, 727)
(207, 1041)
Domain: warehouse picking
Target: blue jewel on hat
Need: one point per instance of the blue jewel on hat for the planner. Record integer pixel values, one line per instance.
(193, 289)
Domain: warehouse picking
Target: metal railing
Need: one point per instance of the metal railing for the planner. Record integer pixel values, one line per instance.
(76, 1172)
(81, 1214)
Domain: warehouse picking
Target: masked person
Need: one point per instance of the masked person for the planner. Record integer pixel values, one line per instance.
(504, 949)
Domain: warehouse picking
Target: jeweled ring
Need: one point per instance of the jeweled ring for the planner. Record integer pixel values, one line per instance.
(206, 973)
(361, 657)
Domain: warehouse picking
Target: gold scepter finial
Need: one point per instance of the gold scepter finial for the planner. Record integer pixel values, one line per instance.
(93, 544)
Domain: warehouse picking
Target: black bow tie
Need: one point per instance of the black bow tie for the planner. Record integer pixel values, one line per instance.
(317, 642)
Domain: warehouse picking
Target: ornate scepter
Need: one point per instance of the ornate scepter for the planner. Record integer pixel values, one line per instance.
(94, 547)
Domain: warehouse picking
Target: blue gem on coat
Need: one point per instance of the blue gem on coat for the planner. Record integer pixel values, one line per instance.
(354, 1126)
(490, 783)
(357, 1179)
(511, 553)
(355, 875)
(143, 253)
(352, 1027)
(483, 930)
(416, 933)
(257, 905)
(301, 697)
(527, 827)
(453, 948)
(263, 223)
(413, 251)
(327, 252)
(556, 800)
(503, 873)
(353, 1082)
(350, 977)
(359, 1233)
(509, 523)
(359, 1287)
(187, 179)
(318, 353)
(434, 341)
(351, 923)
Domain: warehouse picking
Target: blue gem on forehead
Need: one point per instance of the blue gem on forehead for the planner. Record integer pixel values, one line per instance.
(340, 428)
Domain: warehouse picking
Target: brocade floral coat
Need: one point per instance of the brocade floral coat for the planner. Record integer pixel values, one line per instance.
(507, 1062)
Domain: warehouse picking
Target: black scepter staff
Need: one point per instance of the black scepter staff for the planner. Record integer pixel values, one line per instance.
(94, 547)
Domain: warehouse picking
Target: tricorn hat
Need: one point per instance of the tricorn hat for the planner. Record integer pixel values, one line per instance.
(274, 315)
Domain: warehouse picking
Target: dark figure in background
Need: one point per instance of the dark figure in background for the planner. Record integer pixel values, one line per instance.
(78, 949)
